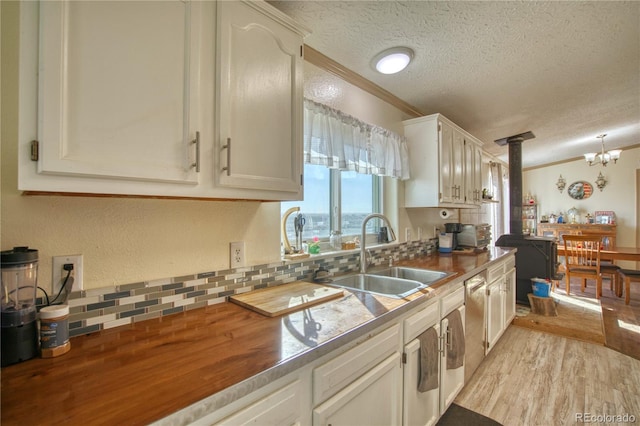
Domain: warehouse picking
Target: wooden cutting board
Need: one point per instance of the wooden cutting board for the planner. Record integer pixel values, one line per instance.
(286, 298)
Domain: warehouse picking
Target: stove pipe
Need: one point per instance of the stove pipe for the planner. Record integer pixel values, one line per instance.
(515, 187)
(515, 179)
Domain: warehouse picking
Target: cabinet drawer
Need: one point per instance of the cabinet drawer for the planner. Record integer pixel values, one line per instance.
(452, 301)
(282, 407)
(420, 321)
(510, 263)
(494, 272)
(330, 378)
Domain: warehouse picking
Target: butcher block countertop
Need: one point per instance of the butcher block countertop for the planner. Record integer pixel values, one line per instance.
(142, 372)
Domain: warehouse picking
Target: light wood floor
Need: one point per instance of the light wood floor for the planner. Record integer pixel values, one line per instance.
(536, 378)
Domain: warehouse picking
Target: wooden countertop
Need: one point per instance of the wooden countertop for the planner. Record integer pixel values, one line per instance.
(142, 372)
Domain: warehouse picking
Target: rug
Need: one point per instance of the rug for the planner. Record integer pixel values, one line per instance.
(457, 415)
(578, 318)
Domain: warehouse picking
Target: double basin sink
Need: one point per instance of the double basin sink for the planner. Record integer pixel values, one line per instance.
(397, 281)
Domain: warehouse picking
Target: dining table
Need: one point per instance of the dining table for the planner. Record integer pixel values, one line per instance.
(613, 254)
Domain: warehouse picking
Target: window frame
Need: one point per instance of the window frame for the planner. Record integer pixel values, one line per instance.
(335, 205)
(335, 199)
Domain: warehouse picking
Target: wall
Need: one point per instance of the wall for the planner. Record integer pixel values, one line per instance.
(619, 195)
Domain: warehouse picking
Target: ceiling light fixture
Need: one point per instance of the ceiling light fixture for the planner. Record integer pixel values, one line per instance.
(392, 60)
(603, 157)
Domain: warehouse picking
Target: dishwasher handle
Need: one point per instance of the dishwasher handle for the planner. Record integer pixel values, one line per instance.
(474, 284)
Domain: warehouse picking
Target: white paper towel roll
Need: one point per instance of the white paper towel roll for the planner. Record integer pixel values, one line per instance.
(445, 214)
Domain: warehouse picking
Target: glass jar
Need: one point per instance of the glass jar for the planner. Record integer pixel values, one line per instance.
(335, 240)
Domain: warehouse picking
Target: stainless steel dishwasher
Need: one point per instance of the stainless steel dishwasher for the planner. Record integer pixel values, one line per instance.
(475, 289)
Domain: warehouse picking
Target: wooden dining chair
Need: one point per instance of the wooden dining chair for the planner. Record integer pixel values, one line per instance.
(607, 269)
(582, 260)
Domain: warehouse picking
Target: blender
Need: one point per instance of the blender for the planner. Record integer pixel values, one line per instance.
(18, 309)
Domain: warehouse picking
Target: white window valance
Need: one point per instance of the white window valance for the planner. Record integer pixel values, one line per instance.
(340, 141)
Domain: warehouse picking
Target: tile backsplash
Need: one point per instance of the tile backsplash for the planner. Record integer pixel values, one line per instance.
(108, 307)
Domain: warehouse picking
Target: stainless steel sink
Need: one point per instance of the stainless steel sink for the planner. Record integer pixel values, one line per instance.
(424, 276)
(385, 285)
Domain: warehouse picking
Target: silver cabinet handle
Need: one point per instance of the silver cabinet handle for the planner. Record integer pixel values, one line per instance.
(228, 148)
(196, 142)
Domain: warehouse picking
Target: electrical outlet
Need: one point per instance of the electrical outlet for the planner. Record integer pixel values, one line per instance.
(58, 273)
(237, 254)
(419, 233)
(407, 234)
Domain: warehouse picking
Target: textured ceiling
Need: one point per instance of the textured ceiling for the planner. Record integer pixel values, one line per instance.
(567, 71)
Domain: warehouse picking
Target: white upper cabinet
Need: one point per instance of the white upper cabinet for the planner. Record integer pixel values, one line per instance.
(139, 98)
(473, 171)
(118, 89)
(259, 103)
(445, 164)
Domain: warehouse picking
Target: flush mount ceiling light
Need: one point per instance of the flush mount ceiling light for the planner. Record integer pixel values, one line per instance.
(392, 60)
(603, 157)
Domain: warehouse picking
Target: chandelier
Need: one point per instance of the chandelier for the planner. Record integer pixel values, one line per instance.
(603, 157)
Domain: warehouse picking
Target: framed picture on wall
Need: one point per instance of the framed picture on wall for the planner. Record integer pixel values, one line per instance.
(605, 217)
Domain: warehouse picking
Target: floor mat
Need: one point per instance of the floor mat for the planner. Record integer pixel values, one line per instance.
(578, 318)
(457, 415)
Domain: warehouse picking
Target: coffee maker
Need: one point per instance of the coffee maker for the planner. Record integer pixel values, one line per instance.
(18, 309)
(453, 229)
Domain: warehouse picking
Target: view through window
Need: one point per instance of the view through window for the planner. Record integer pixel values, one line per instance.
(333, 200)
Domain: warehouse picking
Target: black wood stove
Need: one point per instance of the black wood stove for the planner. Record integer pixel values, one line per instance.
(537, 257)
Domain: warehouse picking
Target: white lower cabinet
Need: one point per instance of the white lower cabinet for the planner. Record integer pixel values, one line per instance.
(425, 408)
(374, 399)
(362, 385)
(283, 407)
(500, 300)
(495, 312)
(451, 380)
(420, 408)
(510, 293)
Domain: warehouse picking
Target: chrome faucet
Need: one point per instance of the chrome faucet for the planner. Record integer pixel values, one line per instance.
(363, 236)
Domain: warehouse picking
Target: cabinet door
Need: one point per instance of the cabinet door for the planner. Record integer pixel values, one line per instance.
(451, 381)
(447, 189)
(259, 101)
(458, 166)
(419, 408)
(509, 297)
(477, 173)
(469, 173)
(118, 89)
(495, 312)
(374, 399)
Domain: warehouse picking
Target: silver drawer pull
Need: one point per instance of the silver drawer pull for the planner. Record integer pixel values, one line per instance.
(196, 142)
(228, 148)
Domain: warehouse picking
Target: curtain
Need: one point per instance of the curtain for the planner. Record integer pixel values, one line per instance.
(500, 184)
(340, 141)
